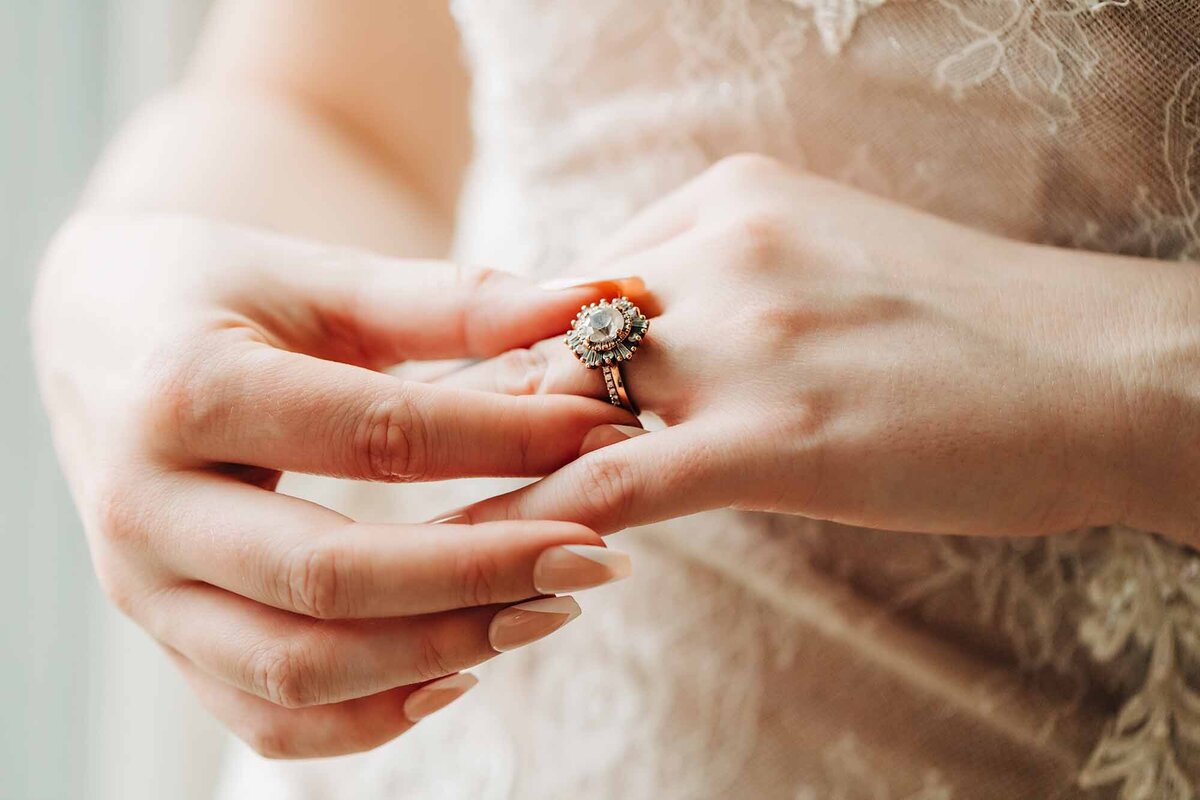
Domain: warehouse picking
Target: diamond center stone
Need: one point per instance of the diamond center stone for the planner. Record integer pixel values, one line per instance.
(602, 324)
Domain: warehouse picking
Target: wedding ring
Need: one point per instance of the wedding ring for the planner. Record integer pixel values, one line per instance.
(603, 336)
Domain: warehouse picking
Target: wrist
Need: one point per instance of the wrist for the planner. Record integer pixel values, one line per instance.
(1161, 476)
(1154, 361)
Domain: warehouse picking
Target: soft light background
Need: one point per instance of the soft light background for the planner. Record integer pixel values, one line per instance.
(88, 709)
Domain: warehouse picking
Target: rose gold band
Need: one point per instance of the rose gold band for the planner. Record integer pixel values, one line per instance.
(618, 395)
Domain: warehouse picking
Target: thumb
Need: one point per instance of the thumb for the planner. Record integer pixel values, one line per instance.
(625, 479)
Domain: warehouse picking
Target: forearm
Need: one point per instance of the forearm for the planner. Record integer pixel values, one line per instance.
(264, 159)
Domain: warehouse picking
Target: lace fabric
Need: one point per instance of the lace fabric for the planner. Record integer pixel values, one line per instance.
(763, 656)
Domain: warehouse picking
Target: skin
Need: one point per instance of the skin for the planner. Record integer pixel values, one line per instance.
(823, 352)
(209, 317)
(814, 351)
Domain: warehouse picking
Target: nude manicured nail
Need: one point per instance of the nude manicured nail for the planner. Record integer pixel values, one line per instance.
(527, 622)
(569, 567)
(452, 519)
(624, 284)
(605, 435)
(437, 695)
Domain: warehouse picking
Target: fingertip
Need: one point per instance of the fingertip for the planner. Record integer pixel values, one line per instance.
(573, 567)
(437, 694)
(453, 518)
(631, 286)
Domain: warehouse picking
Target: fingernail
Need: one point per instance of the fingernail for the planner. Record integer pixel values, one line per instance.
(527, 622)
(604, 435)
(449, 520)
(629, 284)
(437, 695)
(570, 567)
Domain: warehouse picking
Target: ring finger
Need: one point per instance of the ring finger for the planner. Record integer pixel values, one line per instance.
(549, 367)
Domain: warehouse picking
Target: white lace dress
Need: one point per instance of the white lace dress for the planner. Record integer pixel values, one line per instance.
(773, 657)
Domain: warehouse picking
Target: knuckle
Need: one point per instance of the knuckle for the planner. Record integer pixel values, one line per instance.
(118, 518)
(391, 442)
(476, 284)
(525, 444)
(280, 671)
(178, 393)
(606, 486)
(270, 739)
(482, 279)
(477, 572)
(317, 584)
(521, 371)
(433, 659)
(741, 168)
(759, 239)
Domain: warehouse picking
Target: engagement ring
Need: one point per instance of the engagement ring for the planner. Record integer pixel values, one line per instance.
(604, 335)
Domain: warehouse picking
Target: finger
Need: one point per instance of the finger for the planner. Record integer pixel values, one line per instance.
(300, 557)
(549, 367)
(351, 726)
(663, 267)
(286, 411)
(296, 662)
(351, 305)
(681, 470)
(666, 218)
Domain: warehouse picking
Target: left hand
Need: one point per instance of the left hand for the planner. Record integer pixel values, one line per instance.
(828, 353)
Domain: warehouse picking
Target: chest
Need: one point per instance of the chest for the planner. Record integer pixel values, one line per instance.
(1073, 122)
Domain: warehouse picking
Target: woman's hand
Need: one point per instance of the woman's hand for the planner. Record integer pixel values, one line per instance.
(186, 363)
(828, 353)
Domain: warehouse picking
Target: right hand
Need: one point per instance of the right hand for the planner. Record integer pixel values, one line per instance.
(186, 363)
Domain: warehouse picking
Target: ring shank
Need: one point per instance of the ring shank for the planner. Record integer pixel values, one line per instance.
(618, 395)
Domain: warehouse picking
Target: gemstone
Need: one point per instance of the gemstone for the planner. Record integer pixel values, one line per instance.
(601, 324)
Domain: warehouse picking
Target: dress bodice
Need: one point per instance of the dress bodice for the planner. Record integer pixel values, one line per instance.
(1069, 122)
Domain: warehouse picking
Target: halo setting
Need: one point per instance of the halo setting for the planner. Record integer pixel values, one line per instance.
(606, 332)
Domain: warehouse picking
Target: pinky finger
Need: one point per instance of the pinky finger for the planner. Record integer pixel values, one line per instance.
(351, 726)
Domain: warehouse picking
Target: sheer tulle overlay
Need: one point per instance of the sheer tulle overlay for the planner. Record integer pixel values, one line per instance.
(762, 656)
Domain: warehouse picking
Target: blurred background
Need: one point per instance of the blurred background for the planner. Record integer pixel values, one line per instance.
(86, 708)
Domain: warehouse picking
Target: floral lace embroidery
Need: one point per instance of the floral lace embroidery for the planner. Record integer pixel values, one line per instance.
(835, 19)
(1031, 45)
(1138, 602)
(1167, 227)
(1020, 587)
(1172, 230)
(1145, 598)
(848, 776)
(753, 86)
(1181, 152)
